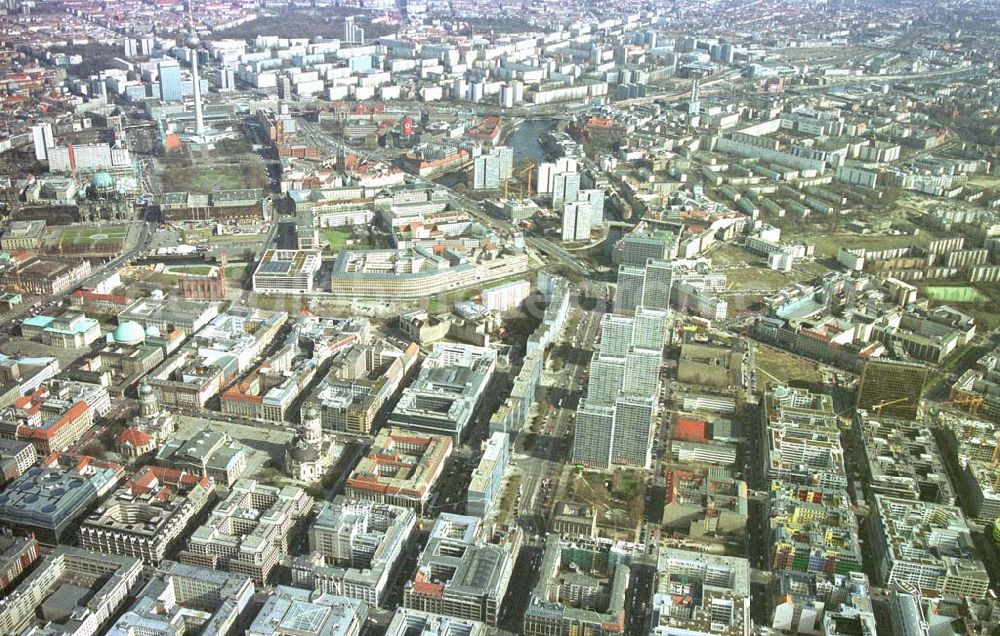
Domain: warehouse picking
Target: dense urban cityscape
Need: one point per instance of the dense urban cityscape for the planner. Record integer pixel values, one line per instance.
(456, 318)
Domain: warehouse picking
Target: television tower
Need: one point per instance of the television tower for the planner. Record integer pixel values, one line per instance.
(694, 106)
(192, 42)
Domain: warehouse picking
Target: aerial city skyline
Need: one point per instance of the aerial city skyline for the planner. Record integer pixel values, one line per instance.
(457, 318)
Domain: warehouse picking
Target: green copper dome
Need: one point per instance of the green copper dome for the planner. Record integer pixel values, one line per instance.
(102, 181)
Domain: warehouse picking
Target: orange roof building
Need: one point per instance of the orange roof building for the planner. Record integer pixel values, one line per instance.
(401, 468)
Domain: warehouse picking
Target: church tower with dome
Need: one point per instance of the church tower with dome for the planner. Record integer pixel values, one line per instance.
(149, 403)
(309, 456)
(153, 419)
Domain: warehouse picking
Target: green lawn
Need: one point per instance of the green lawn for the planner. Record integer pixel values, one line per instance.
(777, 366)
(981, 300)
(236, 272)
(985, 181)
(237, 238)
(439, 304)
(955, 294)
(760, 278)
(729, 254)
(85, 236)
(337, 239)
(194, 270)
(205, 179)
(217, 178)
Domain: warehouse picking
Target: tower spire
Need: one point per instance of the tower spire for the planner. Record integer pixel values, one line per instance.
(193, 43)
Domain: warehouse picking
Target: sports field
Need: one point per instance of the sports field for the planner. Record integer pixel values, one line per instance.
(956, 294)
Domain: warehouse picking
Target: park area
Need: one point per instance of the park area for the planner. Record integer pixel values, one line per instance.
(206, 174)
(618, 498)
(208, 179)
(107, 239)
(338, 239)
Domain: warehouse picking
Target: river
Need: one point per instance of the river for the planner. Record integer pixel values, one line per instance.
(524, 140)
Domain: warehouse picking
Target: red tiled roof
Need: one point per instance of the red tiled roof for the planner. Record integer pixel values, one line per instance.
(689, 430)
(134, 437)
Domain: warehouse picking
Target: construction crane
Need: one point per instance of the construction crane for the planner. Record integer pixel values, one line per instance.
(971, 402)
(527, 171)
(877, 408)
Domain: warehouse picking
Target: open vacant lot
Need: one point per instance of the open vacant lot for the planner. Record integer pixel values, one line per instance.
(775, 365)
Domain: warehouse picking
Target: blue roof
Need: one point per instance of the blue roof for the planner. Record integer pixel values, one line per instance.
(102, 180)
(129, 331)
(80, 326)
(39, 321)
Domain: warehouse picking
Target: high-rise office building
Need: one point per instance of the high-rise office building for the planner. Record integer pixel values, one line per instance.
(595, 202)
(486, 173)
(565, 189)
(617, 434)
(576, 221)
(657, 284)
(648, 240)
(607, 377)
(694, 106)
(477, 89)
(353, 34)
(506, 156)
(642, 370)
(592, 440)
(490, 169)
(615, 422)
(41, 135)
(891, 387)
(170, 81)
(616, 335)
(507, 95)
(633, 429)
(649, 329)
(629, 294)
(727, 53)
(548, 171)
(225, 78)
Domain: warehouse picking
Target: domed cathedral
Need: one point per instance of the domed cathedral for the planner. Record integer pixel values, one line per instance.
(129, 332)
(309, 455)
(102, 186)
(105, 200)
(153, 419)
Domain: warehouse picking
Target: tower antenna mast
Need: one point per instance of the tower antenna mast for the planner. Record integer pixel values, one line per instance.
(193, 43)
